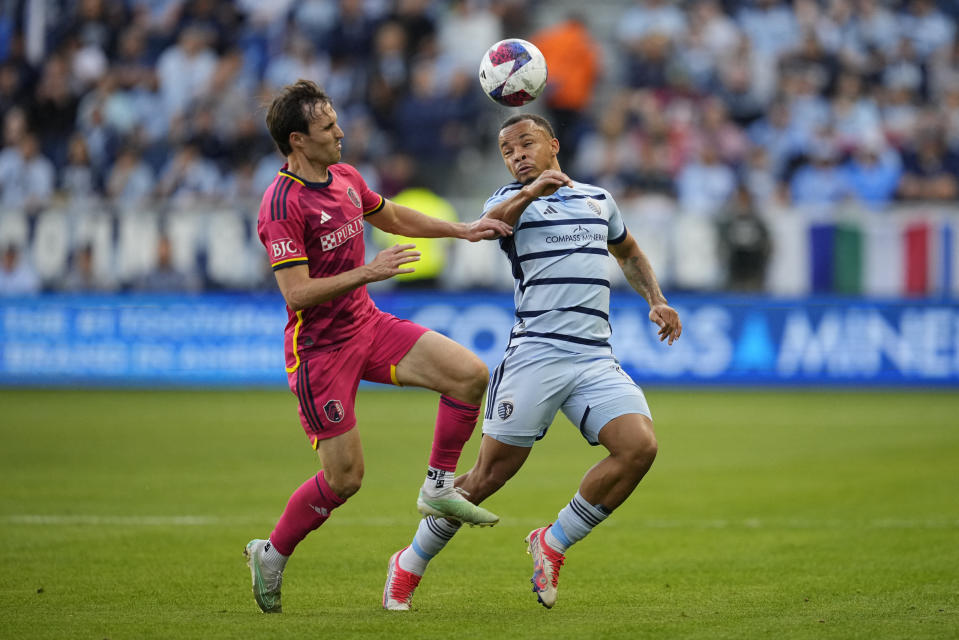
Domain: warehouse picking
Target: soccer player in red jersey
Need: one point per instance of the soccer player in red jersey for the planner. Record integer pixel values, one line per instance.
(311, 223)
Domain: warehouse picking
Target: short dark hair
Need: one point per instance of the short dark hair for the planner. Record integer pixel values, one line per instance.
(292, 110)
(538, 120)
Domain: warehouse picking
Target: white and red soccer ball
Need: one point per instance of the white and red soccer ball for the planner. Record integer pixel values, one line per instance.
(513, 72)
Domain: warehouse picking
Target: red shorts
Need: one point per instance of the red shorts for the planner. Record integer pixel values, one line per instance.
(326, 383)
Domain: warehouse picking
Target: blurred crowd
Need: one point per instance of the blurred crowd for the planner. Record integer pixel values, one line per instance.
(165, 98)
(725, 109)
(809, 103)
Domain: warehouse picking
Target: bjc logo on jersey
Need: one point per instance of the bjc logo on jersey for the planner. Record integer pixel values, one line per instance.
(283, 247)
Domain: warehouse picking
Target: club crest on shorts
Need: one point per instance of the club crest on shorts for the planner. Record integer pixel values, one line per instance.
(504, 409)
(355, 199)
(334, 410)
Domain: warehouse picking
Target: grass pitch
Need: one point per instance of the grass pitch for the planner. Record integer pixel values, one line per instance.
(767, 515)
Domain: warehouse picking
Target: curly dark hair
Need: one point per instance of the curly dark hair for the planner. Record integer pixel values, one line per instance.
(293, 110)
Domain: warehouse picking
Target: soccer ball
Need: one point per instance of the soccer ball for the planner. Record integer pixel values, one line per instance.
(513, 72)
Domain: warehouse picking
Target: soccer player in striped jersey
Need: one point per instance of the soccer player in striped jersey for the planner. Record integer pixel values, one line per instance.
(558, 357)
(311, 223)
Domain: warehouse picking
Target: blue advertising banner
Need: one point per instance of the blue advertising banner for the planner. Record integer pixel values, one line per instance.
(237, 339)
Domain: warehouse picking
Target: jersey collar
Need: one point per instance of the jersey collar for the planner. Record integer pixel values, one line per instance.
(306, 183)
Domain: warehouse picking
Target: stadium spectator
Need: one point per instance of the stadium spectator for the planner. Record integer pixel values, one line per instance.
(53, 113)
(704, 185)
(873, 172)
(714, 128)
(27, 178)
(12, 89)
(166, 276)
(771, 27)
(930, 169)
(84, 276)
(744, 242)
(650, 18)
(79, 182)
(854, 111)
(875, 27)
(185, 70)
(130, 181)
(654, 175)
(766, 189)
(424, 110)
(188, 176)
(607, 155)
(739, 92)
(299, 59)
(574, 61)
(465, 32)
(819, 185)
(781, 139)
(927, 28)
(351, 35)
(949, 112)
(388, 72)
(416, 20)
(17, 276)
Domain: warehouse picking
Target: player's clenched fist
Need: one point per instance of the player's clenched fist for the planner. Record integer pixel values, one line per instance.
(487, 229)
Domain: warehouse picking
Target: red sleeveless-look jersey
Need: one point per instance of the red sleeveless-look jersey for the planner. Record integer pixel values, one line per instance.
(320, 225)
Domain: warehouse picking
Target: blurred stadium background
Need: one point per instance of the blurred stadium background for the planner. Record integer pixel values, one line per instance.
(791, 168)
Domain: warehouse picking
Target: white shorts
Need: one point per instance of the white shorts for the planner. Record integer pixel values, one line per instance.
(535, 380)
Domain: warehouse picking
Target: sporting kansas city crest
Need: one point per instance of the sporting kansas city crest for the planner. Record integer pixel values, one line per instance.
(334, 410)
(594, 206)
(504, 410)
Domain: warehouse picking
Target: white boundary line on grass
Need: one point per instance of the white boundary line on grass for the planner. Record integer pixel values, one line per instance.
(704, 524)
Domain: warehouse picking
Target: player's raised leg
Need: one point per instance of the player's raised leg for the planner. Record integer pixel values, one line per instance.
(438, 363)
(307, 509)
(496, 463)
(632, 447)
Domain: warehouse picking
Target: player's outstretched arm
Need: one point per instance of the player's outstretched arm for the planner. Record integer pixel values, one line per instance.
(639, 273)
(302, 291)
(546, 184)
(404, 221)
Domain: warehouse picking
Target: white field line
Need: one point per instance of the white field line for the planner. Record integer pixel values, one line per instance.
(692, 524)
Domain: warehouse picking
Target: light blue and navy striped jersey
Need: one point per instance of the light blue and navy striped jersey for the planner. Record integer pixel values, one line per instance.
(560, 259)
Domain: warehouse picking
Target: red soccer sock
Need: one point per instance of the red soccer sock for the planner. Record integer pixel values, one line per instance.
(307, 509)
(455, 421)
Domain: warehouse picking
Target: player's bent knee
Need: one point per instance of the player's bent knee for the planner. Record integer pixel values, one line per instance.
(644, 450)
(345, 485)
(470, 384)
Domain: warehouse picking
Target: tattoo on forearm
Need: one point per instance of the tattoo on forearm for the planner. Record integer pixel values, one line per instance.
(639, 274)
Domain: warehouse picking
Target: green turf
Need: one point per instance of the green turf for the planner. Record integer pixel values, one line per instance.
(123, 514)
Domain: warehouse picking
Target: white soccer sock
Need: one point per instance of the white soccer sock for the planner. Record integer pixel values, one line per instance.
(574, 523)
(273, 558)
(431, 536)
(437, 481)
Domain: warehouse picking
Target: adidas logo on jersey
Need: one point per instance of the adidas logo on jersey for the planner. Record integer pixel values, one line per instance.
(548, 210)
(324, 217)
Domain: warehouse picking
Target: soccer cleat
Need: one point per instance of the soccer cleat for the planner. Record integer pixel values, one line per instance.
(398, 591)
(266, 581)
(546, 565)
(451, 503)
